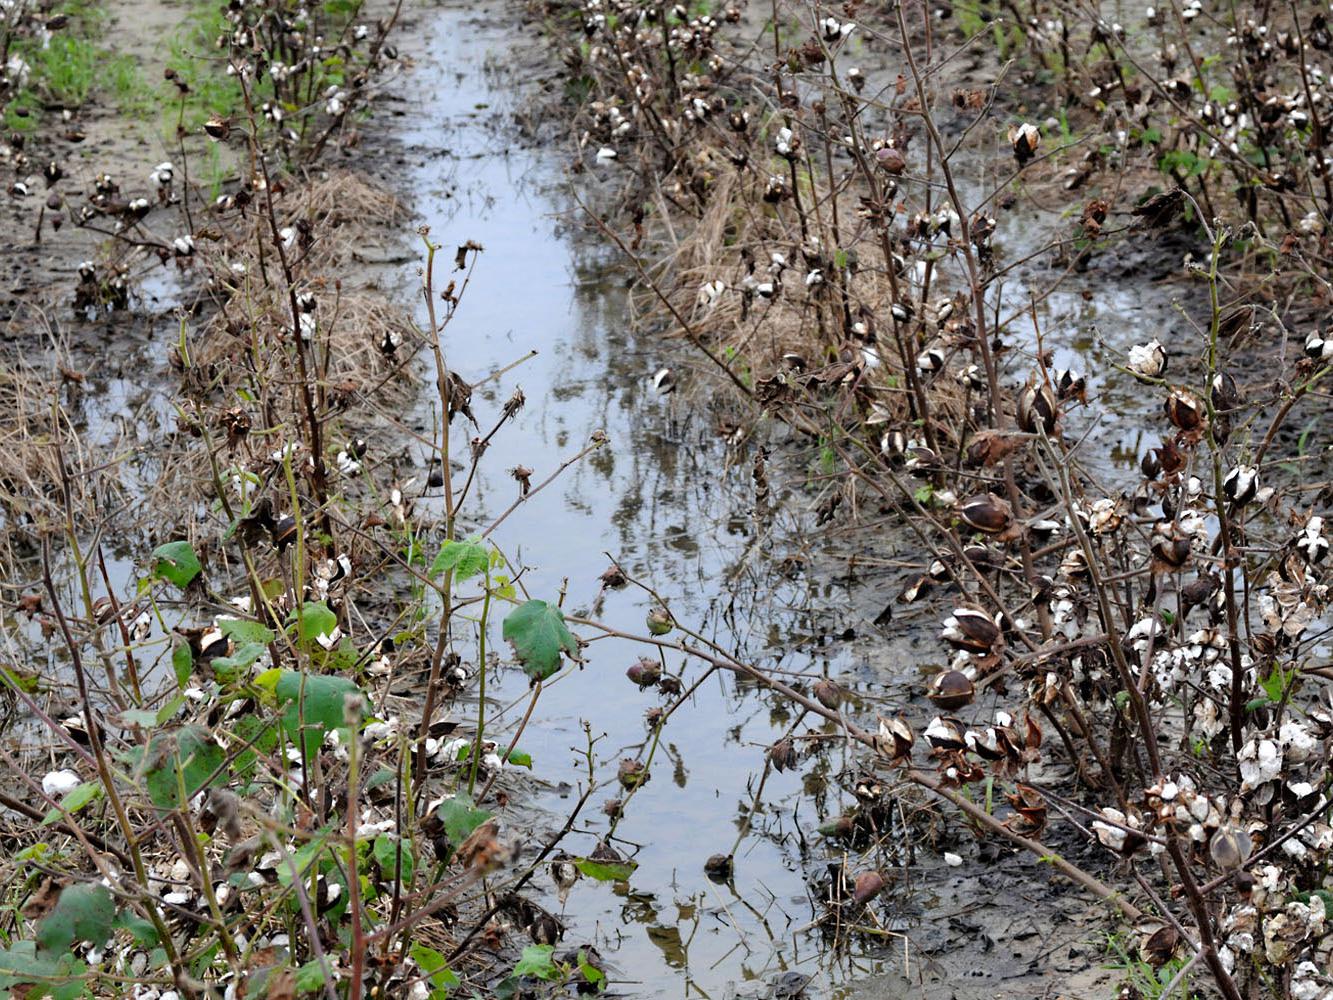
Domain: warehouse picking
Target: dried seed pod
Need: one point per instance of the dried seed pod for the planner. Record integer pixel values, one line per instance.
(868, 885)
(828, 694)
(987, 514)
(945, 733)
(564, 873)
(1148, 361)
(952, 690)
(632, 774)
(1025, 139)
(217, 128)
(930, 361)
(1184, 410)
(719, 867)
(1071, 385)
(890, 160)
(971, 630)
(782, 755)
(1043, 530)
(1241, 484)
(1230, 847)
(1170, 549)
(1037, 407)
(1158, 947)
(1149, 465)
(645, 672)
(1318, 347)
(895, 738)
(1224, 392)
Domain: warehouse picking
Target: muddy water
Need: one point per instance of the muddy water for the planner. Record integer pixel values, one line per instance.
(660, 498)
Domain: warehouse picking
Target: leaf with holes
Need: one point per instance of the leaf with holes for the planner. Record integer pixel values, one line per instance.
(538, 633)
(177, 563)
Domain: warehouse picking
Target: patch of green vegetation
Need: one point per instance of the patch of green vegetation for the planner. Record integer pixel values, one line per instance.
(1144, 980)
(194, 61)
(71, 68)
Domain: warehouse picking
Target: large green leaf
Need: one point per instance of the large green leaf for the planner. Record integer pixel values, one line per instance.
(394, 855)
(537, 962)
(539, 635)
(466, 558)
(55, 976)
(191, 750)
(313, 619)
(316, 700)
(84, 912)
(229, 667)
(460, 817)
(436, 967)
(243, 632)
(177, 563)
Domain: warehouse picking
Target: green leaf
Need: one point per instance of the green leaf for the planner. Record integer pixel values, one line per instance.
(182, 663)
(591, 974)
(310, 977)
(58, 976)
(390, 853)
(606, 871)
(243, 632)
(74, 800)
(138, 717)
(312, 853)
(83, 912)
(436, 968)
(520, 758)
(317, 700)
(538, 634)
(313, 619)
(143, 931)
(466, 558)
(164, 714)
(228, 667)
(460, 817)
(537, 962)
(176, 563)
(190, 750)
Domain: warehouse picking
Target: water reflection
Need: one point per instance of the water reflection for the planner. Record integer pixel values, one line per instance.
(666, 500)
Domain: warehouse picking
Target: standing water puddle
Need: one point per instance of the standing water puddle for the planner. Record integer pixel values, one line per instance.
(659, 499)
